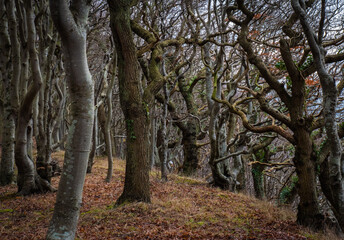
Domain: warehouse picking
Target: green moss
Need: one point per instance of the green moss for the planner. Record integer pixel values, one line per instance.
(223, 195)
(8, 197)
(281, 65)
(307, 63)
(310, 236)
(146, 107)
(192, 223)
(6, 210)
(201, 223)
(130, 129)
(132, 229)
(287, 191)
(187, 180)
(239, 221)
(92, 211)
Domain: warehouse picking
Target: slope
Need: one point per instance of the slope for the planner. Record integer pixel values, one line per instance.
(183, 208)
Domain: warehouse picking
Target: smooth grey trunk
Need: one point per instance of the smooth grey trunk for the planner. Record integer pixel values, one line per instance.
(217, 132)
(90, 161)
(153, 142)
(29, 133)
(164, 144)
(104, 123)
(108, 121)
(45, 120)
(106, 118)
(28, 180)
(58, 120)
(41, 117)
(24, 78)
(70, 21)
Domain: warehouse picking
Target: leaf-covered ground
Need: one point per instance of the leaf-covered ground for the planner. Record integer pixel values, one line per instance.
(182, 208)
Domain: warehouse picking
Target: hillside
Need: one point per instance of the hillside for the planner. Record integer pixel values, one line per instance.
(182, 208)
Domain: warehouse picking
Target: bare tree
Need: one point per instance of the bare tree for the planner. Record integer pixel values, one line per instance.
(71, 23)
(28, 180)
(134, 103)
(333, 183)
(10, 64)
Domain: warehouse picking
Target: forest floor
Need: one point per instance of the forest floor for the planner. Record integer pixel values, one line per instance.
(182, 208)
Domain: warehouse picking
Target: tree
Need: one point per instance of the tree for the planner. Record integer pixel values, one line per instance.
(135, 105)
(71, 22)
(295, 114)
(44, 118)
(169, 64)
(10, 69)
(334, 164)
(28, 180)
(105, 118)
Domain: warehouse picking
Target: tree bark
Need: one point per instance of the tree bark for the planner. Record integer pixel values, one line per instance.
(135, 109)
(106, 118)
(28, 180)
(90, 161)
(308, 209)
(8, 40)
(71, 21)
(44, 138)
(104, 123)
(334, 166)
(190, 130)
(164, 140)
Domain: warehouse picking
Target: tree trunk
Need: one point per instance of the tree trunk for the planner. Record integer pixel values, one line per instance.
(135, 109)
(308, 209)
(8, 78)
(164, 140)
(189, 141)
(190, 130)
(70, 21)
(103, 120)
(28, 180)
(153, 142)
(220, 170)
(43, 162)
(90, 161)
(8, 136)
(325, 182)
(29, 144)
(329, 89)
(262, 156)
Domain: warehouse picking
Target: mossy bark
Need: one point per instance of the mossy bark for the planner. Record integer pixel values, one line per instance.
(8, 63)
(190, 131)
(189, 141)
(257, 173)
(135, 107)
(305, 163)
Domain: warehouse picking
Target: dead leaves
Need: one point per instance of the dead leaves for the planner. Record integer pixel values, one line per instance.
(181, 209)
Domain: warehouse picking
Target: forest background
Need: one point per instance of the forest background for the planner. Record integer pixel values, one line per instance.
(244, 94)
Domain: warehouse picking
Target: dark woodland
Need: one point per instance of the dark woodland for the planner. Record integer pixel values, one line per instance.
(160, 119)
